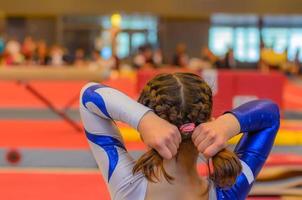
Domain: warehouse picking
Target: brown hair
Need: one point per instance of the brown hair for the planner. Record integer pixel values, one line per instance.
(183, 98)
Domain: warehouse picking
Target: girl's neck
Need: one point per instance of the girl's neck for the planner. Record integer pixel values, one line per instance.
(183, 165)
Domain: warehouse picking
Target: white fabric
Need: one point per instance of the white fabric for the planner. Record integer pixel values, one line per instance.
(246, 170)
(212, 193)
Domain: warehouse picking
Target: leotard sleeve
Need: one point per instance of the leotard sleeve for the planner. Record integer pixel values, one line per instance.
(99, 107)
(259, 121)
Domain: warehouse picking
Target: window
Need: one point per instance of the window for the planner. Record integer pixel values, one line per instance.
(137, 40)
(243, 40)
(221, 38)
(275, 38)
(122, 45)
(246, 44)
(241, 33)
(136, 30)
(282, 39)
(295, 44)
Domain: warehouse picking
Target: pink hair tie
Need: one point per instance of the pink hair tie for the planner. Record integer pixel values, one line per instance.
(187, 128)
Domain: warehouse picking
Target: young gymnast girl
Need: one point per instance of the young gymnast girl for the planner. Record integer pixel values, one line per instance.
(173, 116)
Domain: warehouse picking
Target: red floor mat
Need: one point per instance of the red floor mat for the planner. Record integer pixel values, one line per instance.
(40, 134)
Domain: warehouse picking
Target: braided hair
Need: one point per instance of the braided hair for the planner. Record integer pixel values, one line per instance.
(182, 98)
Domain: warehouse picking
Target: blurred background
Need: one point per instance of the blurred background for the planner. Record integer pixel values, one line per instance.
(49, 49)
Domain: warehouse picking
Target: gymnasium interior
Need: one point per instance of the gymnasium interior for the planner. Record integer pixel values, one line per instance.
(50, 49)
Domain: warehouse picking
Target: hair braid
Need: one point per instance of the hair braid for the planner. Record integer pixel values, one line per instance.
(183, 98)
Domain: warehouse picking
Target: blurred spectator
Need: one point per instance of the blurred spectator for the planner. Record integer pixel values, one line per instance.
(206, 61)
(148, 54)
(298, 64)
(292, 67)
(208, 56)
(228, 61)
(98, 62)
(139, 60)
(12, 54)
(41, 54)
(56, 55)
(68, 58)
(144, 57)
(79, 58)
(158, 57)
(28, 49)
(180, 58)
(270, 59)
(115, 62)
(96, 59)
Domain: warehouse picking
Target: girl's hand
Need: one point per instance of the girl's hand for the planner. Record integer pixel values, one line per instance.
(211, 137)
(159, 134)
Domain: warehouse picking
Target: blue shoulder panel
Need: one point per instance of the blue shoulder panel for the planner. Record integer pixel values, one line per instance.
(90, 95)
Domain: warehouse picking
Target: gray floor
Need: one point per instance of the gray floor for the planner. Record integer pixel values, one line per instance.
(34, 114)
(56, 158)
(45, 114)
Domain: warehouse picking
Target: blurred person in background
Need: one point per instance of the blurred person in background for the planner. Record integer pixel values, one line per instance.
(12, 53)
(270, 59)
(41, 53)
(98, 62)
(158, 57)
(298, 64)
(56, 55)
(28, 50)
(261, 63)
(292, 67)
(148, 57)
(180, 58)
(79, 58)
(208, 56)
(207, 60)
(144, 57)
(228, 62)
(115, 62)
(95, 59)
(139, 60)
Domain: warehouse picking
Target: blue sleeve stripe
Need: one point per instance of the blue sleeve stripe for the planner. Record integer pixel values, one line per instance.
(109, 145)
(90, 95)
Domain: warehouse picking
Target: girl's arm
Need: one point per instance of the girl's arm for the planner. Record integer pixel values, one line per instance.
(99, 107)
(259, 121)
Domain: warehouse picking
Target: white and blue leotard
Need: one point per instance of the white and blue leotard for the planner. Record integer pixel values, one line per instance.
(101, 105)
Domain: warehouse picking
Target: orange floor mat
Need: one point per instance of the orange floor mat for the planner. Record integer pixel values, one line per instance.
(40, 134)
(50, 186)
(46, 134)
(14, 95)
(58, 186)
(292, 96)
